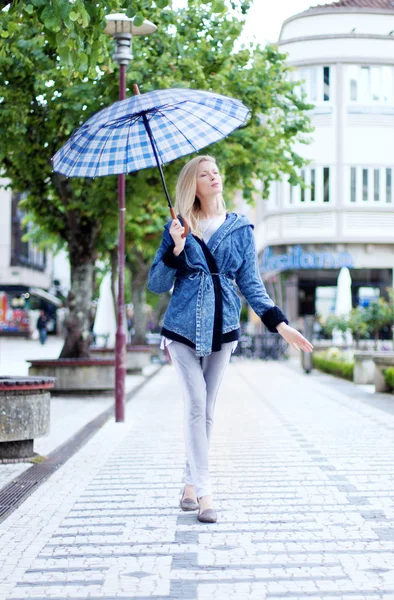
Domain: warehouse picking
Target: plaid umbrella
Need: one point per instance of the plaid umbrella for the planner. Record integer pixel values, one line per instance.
(122, 138)
(148, 130)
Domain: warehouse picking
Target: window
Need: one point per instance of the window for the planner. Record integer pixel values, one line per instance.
(353, 184)
(317, 180)
(387, 85)
(313, 185)
(364, 85)
(326, 184)
(313, 90)
(376, 73)
(376, 185)
(23, 253)
(371, 84)
(302, 188)
(365, 185)
(389, 188)
(326, 75)
(370, 184)
(353, 81)
(314, 83)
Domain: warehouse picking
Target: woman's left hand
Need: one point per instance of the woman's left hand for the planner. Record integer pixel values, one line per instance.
(294, 337)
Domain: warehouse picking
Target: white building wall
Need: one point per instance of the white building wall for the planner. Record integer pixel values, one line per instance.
(16, 275)
(341, 22)
(348, 133)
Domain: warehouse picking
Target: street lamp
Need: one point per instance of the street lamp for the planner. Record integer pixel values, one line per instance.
(122, 29)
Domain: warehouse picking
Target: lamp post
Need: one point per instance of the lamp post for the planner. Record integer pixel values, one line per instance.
(122, 29)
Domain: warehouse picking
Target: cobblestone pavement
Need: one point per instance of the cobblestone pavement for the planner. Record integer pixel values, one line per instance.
(304, 488)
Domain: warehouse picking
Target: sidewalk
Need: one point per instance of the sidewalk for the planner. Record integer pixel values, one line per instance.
(304, 488)
(69, 414)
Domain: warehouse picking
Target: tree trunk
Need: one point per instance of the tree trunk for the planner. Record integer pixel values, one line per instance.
(376, 340)
(138, 295)
(162, 305)
(139, 271)
(81, 240)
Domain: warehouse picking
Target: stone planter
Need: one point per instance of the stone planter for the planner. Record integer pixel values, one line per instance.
(364, 367)
(77, 375)
(369, 366)
(137, 357)
(382, 362)
(24, 414)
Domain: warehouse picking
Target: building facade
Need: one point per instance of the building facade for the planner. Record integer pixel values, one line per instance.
(343, 53)
(27, 273)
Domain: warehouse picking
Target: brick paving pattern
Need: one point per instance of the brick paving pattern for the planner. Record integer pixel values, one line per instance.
(304, 488)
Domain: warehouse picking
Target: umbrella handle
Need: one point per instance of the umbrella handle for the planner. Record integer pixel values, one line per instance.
(185, 224)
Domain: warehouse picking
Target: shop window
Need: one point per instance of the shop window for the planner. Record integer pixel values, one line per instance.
(326, 184)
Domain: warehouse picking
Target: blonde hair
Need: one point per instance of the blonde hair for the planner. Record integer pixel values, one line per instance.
(187, 204)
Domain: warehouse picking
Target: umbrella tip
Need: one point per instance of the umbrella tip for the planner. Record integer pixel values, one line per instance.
(136, 89)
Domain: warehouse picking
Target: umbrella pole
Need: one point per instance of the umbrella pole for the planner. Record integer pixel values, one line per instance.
(120, 344)
(163, 181)
(158, 163)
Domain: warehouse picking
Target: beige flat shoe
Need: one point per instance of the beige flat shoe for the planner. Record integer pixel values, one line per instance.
(187, 504)
(208, 515)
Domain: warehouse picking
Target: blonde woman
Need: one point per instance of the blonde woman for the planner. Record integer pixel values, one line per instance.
(201, 324)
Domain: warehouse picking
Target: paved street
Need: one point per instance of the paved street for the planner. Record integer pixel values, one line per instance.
(303, 473)
(68, 413)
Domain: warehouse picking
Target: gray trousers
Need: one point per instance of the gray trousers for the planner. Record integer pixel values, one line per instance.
(200, 380)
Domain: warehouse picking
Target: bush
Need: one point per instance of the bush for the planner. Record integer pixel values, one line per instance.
(389, 377)
(334, 366)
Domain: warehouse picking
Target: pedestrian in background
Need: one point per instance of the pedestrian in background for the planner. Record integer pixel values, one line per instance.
(201, 324)
(42, 326)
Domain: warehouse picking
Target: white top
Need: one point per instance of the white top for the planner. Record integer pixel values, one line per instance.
(208, 228)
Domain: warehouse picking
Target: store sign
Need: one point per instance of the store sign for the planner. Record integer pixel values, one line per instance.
(296, 258)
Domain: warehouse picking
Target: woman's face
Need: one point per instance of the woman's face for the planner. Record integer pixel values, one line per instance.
(209, 181)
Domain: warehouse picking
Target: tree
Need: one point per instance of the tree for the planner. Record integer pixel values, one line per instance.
(73, 27)
(357, 323)
(41, 106)
(378, 314)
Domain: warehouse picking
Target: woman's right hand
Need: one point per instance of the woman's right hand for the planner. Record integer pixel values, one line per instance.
(176, 231)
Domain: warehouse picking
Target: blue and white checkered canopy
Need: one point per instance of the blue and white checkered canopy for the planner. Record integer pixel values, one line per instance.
(115, 140)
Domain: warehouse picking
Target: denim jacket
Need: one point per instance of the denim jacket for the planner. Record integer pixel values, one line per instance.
(190, 313)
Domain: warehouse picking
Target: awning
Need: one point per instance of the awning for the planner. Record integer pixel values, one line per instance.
(39, 293)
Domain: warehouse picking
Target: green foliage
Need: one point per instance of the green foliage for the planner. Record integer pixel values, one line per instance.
(379, 314)
(56, 71)
(364, 321)
(336, 322)
(334, 366)
(357, 322)
(389, 377)
(41, 107)
(74, 27)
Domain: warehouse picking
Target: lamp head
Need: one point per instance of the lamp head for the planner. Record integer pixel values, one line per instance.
(119, 23)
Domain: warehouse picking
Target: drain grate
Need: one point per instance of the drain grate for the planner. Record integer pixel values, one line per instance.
(15, 493)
